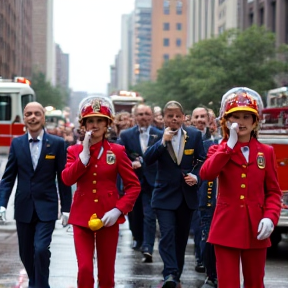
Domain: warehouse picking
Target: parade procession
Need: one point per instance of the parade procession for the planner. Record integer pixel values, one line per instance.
(175, 175)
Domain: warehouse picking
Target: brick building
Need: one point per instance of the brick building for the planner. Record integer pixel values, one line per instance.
(15, 38)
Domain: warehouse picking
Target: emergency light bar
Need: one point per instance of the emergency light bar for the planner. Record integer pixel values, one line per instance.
(17, 80)
(22, 80)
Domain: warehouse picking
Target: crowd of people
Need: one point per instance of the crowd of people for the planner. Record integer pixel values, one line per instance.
(181, 174)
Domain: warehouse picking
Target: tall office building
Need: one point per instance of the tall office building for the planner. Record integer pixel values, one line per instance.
(15, 38)
(43, 47)
(142, 42)
(169, 32)
(126, 55)
(207, 18)
(62, 68)
(273, 14)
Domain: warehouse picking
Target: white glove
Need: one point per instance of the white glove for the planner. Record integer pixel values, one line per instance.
(65, 217)
(2, 214)
(265, 228)
(233, 137)
(168, 135)
(85, 154)
(111, 217)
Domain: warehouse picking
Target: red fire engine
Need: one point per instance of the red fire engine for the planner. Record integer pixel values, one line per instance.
(125, 100)
(274, 131)
(14, 95)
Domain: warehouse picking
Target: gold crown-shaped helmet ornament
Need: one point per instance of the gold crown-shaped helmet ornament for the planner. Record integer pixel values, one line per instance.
(100, 106)
(241, 99)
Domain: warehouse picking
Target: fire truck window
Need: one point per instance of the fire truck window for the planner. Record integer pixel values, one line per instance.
(5, 108)
(17, 119)
(25, 99)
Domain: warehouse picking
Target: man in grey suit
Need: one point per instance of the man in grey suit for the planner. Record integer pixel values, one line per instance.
(35, 158)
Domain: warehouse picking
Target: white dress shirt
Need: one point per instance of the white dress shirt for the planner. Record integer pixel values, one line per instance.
(245, 152)
(144, 137)
(176, 141)
(35, 148)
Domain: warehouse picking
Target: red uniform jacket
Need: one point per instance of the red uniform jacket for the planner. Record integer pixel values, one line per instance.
(247, 192)
(96, 183)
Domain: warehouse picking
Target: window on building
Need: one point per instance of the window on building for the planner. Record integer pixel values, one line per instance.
(179, 7)
(221, 29)
(166, 42)
(178, 42)
(179, 26)
(166, 26)
(166, 57)
(5, 107)
(261, 16)
(251, 18)
(166, 7)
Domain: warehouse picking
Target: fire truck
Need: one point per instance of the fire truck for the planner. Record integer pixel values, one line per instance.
(274, 132)
(14, 95)
(125, 100)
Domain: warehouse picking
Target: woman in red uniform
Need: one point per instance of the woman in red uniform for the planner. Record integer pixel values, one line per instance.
(94, 166)
(249, 197)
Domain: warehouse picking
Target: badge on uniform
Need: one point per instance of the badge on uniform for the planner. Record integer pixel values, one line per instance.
(188, 151)
(110, 157)
(261, 160)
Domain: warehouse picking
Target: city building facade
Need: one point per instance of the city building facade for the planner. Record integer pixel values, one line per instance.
(142, 41)
(208, 18)
(169, 32)
(273, 14)
(126, 56)
(62, 68)
(15, 38)
(43, 47)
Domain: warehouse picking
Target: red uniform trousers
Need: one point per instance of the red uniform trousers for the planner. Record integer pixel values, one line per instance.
(106, 245)
(228, 266)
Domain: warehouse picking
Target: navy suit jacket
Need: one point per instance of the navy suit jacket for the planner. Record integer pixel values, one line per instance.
(130, 139)
(170, 187)
(36, 189)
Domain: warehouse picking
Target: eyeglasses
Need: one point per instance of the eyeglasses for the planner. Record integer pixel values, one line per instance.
(146, 113)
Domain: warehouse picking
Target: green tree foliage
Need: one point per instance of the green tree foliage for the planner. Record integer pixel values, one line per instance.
(48, 95)
(233, 59)
(213, 66)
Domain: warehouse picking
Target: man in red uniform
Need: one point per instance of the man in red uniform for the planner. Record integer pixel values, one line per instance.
(249, 197)
(94, 166)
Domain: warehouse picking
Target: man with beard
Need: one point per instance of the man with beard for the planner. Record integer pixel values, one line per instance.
(35, 159)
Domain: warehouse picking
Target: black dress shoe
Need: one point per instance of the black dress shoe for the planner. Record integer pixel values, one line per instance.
(147, 257)
(200, 268)
(170, 282)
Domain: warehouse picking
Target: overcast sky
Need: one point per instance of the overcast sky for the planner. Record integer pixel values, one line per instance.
(90, 32)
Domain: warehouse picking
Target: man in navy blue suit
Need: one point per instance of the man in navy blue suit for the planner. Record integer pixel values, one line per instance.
(35, 159)
(180, 154)
(136, 140)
